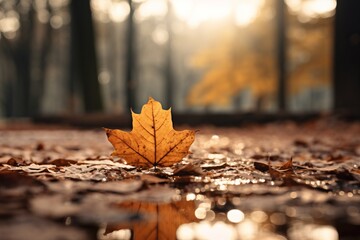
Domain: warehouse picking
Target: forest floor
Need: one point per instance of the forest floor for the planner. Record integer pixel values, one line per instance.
(273, 181)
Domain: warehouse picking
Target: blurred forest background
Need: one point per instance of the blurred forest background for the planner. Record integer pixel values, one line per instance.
(199, 56)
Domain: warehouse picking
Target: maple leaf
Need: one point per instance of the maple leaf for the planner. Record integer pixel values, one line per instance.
(152, 141)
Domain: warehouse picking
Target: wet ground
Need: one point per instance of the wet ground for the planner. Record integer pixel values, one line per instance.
(276, 181)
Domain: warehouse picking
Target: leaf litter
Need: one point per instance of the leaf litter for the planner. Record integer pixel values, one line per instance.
(290, 173)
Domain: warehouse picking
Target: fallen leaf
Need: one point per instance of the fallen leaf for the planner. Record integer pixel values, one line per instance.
(275, 174)
(356, 174)
(152, 141)
(33, 168)
(16, 161)
(100, 164)
(344, 174)
(213, 166)
(287, 166)
(40, 147)
(284, 172)
(188, 169)
(61, 162)
(262, 167)
(301, 143)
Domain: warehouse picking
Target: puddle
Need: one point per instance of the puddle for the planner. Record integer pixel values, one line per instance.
(196, 216)
(161, 220)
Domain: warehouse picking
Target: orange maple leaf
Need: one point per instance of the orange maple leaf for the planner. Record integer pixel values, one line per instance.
(152, 141)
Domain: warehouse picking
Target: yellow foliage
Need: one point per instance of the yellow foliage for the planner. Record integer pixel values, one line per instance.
(248, 62)
(230, 67)
(313, 45)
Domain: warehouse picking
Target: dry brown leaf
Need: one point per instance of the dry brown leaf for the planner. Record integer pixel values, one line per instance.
(288, 165)
(188, 169)
(152, 141)
(59, 162)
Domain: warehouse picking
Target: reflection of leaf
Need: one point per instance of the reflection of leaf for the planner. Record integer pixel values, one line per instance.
(152, 141)
(166, 219)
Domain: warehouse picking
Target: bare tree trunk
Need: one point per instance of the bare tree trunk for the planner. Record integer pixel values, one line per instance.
(18, 51)
(169, 76)
(83, 55)
(347, 57)
(281, 55)
(130, 60)
(40, 65)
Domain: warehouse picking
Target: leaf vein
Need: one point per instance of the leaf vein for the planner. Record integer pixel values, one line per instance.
(144, 127)
(170, 150)
(136, 152)
(162, 124)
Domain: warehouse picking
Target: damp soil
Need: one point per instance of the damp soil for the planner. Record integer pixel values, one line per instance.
(274, 181)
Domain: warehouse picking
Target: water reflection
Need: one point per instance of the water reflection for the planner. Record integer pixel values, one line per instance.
(313, 232)
(235, 215)
(258, 216)
(243, 204)
(122, 234)
(161, 220)
(196, 216)
(199, 217)
(254, 225)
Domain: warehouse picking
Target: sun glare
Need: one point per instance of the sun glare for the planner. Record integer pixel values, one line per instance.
(247, 11)
(192, 12)
(119, 11)
(151, 8)
(195, 12)
(309, 9)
